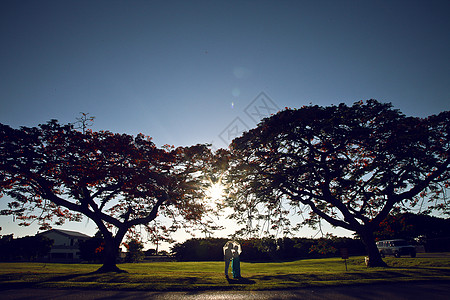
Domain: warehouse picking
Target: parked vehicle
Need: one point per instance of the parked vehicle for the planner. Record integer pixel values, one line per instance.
(396, 248)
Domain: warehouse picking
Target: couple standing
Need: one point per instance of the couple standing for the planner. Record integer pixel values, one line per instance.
(231, 254)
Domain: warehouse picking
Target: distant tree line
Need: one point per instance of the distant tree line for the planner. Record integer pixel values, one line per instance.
(28, 248)
(267, 249)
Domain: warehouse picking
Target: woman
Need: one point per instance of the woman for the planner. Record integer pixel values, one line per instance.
(236, 263)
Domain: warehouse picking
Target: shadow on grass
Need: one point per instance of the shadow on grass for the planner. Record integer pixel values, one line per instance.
(241, 280)
(34, 282)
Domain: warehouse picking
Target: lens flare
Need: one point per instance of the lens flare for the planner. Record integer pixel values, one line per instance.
(215, 191)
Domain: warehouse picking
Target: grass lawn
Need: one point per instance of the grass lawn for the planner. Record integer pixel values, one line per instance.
(165, 276)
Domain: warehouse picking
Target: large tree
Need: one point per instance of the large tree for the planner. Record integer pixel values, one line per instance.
(53, 173)
(348, 165)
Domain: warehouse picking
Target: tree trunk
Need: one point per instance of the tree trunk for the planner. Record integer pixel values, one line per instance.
(110, 253)
(368, 239)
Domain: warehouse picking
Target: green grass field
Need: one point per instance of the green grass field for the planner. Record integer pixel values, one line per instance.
(167, 276)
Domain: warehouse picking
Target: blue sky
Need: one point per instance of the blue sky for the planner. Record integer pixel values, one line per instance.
(187, 72)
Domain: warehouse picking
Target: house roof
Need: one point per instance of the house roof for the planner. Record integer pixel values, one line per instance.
(68, 233)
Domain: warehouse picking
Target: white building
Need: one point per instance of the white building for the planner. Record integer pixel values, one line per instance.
(65, 246)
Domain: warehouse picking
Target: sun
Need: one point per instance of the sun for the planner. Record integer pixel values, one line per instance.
(215, 191)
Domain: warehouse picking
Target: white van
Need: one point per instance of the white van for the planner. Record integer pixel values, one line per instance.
(396, 248)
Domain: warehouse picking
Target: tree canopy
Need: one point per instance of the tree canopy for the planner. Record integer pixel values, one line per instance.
(348, 165)
(55, 173)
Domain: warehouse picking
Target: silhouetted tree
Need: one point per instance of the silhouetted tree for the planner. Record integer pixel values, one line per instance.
(410, 226)
(84, 122)
(199, 249)
(6, 247)
(32, 247)
(347, 165)
(56, 173)
(134, 253)
(92, 249)
(150, 252)
(27, 248)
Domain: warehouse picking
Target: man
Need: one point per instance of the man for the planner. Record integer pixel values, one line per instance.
(228, 255)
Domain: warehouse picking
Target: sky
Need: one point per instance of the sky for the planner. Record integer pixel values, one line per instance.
(188, 72)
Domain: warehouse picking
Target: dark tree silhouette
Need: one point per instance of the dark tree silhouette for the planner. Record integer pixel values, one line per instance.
(411, 226)
(347, 165)
(84, 122)
(27, 248)
(56, 173)
(134, 253)
(91, 249)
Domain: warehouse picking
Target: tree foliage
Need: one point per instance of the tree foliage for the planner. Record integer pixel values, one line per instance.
(348, 165)
(28, 248)
(91, 250)
(134, 253)
(430, 231)
(267, 249)
(55, 173)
